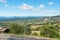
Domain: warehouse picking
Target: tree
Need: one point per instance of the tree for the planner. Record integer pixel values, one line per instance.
(49, 31)
(28, 29)
(15, 28)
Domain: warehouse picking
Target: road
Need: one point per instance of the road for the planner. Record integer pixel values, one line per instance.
(10, 37)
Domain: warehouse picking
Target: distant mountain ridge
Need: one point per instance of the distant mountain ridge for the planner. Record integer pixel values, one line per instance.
(17, 18)
(43, 18)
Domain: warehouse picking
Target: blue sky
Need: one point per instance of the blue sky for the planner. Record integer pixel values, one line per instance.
(29, 7)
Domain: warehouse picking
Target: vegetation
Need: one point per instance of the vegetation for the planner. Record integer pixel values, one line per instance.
(48, 27)
(15, 28)
(19, 29)
(50, 31)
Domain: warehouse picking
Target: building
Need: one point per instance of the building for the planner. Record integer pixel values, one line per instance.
(4, 30)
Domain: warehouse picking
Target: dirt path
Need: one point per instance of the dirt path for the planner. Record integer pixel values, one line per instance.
(10, 37)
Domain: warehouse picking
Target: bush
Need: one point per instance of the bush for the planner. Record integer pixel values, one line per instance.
(15, 28)
(35, 33)
(28, 29)
(50, 31)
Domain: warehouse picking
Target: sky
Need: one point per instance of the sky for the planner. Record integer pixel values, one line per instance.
(29, 7)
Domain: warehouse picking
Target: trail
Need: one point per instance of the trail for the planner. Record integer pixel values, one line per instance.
(10, 37)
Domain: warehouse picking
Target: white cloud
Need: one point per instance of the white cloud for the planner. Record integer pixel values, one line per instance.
(38, 9)
(13, 7)
(26, 7)
(31, 8)
(50, 3)
(41, 6)
(6, 5)
(50, 11)
(35, 10)
(3, 1)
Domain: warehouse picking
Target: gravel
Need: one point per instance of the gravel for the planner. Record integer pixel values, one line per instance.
(9, 37)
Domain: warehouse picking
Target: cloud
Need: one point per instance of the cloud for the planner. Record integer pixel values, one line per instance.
(6, 5)
(38, 9)
(25, 7)
(31, 8)
(41, 6)
(35, 10)
(9, 6)
(3, 1)
(51, 11)
(50, 3)
(13, 7)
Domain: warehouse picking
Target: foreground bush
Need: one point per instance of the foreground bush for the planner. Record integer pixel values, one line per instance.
(15, 28)
(19, 29)
(50, 31)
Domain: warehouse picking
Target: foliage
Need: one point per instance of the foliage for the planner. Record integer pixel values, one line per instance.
(15, 28)
(35, 33)
(28, 30)
(49, 31)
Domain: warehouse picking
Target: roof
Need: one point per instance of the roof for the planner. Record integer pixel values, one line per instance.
(2, 29)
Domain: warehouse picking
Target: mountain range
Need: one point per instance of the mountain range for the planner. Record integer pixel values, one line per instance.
(42, 18)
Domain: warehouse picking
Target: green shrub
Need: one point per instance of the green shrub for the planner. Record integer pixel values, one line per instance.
(50, 31)
(35, 33)
(15, 28)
